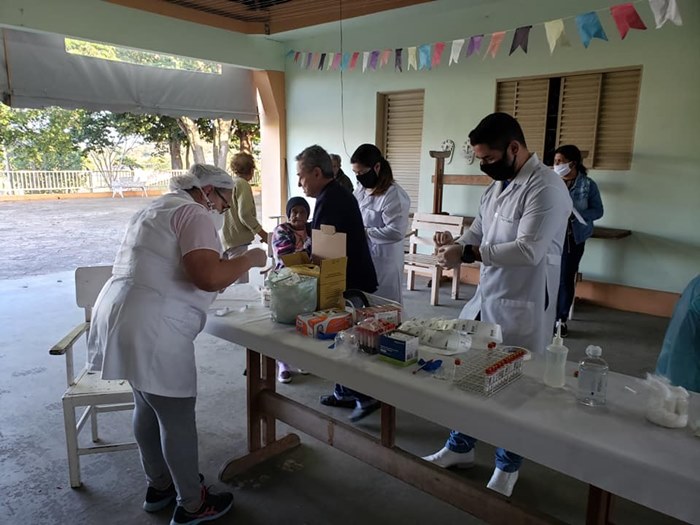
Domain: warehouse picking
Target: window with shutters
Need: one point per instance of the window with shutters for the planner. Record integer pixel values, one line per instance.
(596, 111)
(400, 135)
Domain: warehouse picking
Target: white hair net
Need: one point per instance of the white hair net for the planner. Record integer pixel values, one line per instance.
(202, 175)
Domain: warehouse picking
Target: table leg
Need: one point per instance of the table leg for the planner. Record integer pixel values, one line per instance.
(599, 506)
(388, 425)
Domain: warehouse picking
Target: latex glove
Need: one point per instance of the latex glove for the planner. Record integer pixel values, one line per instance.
(449, 256)
(442, 239)
(257, 257)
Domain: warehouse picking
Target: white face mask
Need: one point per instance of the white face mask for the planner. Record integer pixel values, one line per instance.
(562, 169)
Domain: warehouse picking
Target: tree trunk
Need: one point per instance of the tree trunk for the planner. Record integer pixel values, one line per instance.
(189, 127)
(175, 154)
(245, 139)
(222, 138)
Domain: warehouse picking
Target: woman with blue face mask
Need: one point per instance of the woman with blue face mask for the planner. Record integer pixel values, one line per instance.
(588, 207)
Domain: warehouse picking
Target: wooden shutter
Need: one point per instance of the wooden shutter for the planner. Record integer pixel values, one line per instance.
(526, 100)
(617, 118)
(402, 138)
(578, 112)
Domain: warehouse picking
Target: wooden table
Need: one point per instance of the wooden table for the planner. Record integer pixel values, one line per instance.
(613, 449)
(599, 232)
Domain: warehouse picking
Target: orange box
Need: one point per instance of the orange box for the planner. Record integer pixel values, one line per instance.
(318, 324)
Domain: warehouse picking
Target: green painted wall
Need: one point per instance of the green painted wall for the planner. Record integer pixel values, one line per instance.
(658, 198)
(105, 22)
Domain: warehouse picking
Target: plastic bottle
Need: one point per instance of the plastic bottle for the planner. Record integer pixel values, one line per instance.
(555, 365)
(592, 377)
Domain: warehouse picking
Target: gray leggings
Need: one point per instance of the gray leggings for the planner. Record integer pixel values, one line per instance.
(166, 433)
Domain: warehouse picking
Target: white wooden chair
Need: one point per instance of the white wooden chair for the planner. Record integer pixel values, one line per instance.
(86, 389)
(423, 228)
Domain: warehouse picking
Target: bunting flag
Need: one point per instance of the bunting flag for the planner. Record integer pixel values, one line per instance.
(474, 45)
(329, 62)
(626, 18)
(665, 10)
(589, 27)
(398, 66)
(438, 48)
(322, 62)
(520, 39)
(353, 60)
(345, 62)
(424, 56)
(556, 35)
(336, 61)
(290, 53)
(307, 63)
(495, 44)
(296, 57)
(412, 58)
(373, 60)
(457, 46)
(314, 60)
(384, 57)
(365, 60)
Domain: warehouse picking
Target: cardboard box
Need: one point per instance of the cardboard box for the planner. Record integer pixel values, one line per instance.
(325, 322)
(329, 254)
(398, 348)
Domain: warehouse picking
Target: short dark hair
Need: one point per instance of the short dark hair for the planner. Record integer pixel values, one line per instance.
(497, 130)
(316, 157)
(572, 154)
(369, 155)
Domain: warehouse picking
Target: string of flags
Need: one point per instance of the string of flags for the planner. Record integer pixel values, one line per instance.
(428, 56)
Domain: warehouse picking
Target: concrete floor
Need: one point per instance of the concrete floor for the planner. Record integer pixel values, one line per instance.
(304, 487)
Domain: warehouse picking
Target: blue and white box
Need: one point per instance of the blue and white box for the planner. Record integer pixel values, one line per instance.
(398, 348)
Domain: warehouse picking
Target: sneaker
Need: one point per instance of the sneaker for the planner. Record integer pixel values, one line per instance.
(503, 482)
(331, 401)
(362, 412)
(447, 458)
(303, 372)
(159, 499)
(284, 376)
(564, 330)
(214, 506)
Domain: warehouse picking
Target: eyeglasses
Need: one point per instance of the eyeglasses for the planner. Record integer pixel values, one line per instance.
(226, 203)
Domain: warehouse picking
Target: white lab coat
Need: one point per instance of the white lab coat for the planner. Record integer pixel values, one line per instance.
(149, 312)
(520, 231)
(386, 220)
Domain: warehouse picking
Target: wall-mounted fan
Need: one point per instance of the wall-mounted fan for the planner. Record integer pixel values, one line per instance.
(448, 145)
(468, 152)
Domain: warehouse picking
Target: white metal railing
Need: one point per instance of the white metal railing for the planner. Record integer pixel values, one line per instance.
(28, 182)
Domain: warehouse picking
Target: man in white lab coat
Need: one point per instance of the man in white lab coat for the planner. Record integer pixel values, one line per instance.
(517, 236)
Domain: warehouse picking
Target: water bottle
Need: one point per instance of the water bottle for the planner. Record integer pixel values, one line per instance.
(592, 378)
(555, 364)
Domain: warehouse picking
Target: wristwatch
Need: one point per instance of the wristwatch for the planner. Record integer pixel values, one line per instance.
(468, 254)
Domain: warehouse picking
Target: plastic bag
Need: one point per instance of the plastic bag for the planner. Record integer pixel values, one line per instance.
(290, 295)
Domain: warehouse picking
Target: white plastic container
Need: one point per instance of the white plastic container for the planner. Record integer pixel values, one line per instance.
(555, 365)
(592, 378)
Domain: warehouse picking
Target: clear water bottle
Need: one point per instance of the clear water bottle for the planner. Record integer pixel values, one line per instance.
(592, 378)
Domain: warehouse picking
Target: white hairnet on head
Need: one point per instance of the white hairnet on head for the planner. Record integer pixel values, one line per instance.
(202, 175)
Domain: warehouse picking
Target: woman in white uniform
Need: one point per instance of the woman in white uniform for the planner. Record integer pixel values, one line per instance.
(166, 274)
(385, 207)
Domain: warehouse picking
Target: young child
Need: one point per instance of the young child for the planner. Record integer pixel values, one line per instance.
(291, 237)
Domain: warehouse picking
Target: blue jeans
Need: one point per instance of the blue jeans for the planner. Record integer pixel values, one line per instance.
(570, 258)
(342, 393)
(461, 443)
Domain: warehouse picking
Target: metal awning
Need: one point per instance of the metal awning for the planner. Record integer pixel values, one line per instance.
(36, 72)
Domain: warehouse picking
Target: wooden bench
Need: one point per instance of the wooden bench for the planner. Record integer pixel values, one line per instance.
(423, 227)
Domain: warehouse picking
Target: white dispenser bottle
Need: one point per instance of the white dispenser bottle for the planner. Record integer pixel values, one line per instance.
(555, 365)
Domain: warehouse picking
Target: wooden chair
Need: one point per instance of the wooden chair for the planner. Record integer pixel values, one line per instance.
(86, 389)
(423, 227)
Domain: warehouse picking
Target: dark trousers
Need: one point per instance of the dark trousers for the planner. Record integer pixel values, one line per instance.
(570, 259)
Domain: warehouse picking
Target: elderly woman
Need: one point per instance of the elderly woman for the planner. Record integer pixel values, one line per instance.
(166, 274)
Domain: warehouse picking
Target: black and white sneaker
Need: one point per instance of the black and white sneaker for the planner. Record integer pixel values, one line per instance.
(159, 499)
(214, 506)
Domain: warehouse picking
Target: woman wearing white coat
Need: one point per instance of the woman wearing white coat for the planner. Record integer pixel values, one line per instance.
(166, 274)
(385, 207)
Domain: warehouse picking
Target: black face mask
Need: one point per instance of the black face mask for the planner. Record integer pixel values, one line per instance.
(500, 170)
(369, 179)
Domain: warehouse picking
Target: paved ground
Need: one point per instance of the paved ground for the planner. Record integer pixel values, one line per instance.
(41, 237)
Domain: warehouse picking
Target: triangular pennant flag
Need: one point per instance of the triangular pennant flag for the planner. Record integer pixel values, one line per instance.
(373, 60)
(322, 62)
(520, 39)
(665, 10)
(336, 61)
(457, 46)
(290, 53)
(495, 44)
(315, 59)
(384, 57)
(345, 62)
(438, 49)
(474, 45)
(296, 57)
(589, 27)
(353, 60)
(365, 60)
(307, 63)
(555, 34)
(424, 56)
(412, 58)
(398, 66)
(626, 18)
